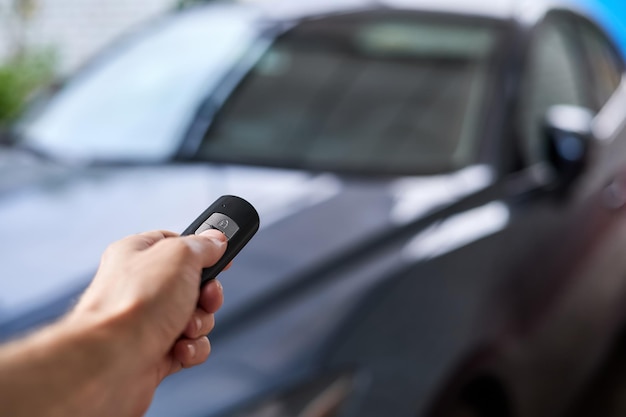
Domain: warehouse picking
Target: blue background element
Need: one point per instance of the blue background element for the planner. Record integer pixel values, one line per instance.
(612, 14)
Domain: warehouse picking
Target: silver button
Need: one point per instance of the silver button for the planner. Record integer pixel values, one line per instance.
(221, 222)
(203, 227)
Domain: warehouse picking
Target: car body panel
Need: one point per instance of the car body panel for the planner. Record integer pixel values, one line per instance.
(84, 204)
(414, 285)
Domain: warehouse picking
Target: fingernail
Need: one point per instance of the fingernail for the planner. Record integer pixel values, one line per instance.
(198, 324)
(219, 284)
(192, 350)
(215, 235)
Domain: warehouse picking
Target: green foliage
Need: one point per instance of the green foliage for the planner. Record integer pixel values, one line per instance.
(20, 77)
(185, 4)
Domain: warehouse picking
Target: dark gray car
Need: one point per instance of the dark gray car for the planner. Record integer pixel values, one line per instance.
(441, 187)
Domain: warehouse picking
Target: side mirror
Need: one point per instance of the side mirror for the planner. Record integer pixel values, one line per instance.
(569, 139)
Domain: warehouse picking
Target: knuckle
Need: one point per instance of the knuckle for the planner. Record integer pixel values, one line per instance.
(181, 251)
(110, 251)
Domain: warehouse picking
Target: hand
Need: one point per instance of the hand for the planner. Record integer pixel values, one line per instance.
(142, 318)
(150, 282)
(148, 288)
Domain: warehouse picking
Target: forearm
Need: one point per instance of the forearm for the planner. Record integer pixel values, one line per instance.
(142, 318)
(65, 369)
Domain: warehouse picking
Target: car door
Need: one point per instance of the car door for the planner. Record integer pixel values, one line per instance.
(608, 89)
(569, 284)
(515, 284)
(557, 265)
(604, 395)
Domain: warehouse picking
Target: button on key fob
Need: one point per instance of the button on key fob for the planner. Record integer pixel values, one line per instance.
(234, 217)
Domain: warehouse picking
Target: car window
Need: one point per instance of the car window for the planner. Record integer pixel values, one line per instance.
(136, 101)
(385, 95)
(603, 60)
(554, 75)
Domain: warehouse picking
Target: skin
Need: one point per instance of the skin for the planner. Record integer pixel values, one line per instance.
(142, 318)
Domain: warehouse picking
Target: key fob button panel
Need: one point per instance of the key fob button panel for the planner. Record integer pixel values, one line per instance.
(237, 219)
(221, 222)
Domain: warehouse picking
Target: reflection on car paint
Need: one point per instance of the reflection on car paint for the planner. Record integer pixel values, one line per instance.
(416, 196)
(611, 118)
(293, 194)
(458, 231)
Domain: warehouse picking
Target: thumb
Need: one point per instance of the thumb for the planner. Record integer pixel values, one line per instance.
(209, 246)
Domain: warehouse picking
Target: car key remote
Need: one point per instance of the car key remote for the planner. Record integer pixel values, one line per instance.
(234, 217)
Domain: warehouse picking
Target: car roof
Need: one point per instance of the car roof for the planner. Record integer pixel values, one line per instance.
(523, 10)
(301, 8)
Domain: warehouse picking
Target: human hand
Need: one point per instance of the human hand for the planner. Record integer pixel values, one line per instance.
(142, 318)
(147, 291)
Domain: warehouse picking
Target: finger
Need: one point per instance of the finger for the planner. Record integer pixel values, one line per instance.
(227, 267)
(211, 296)
(159, 234)
(147, 239)
(209, 246)
(191, 352)
(143, 240)
(200, 324)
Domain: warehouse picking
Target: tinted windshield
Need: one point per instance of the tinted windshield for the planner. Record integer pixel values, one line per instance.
(365, 93)
(137, 101)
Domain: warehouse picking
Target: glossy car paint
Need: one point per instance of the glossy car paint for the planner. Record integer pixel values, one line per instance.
(417, 285)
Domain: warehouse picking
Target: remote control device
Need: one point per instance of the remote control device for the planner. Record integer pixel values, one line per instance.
(234, 217)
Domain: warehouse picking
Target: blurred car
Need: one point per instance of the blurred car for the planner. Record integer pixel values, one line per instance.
(441, 184)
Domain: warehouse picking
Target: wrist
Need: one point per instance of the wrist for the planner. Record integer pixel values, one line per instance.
(64, 369)
(109, 339)
(122, 329)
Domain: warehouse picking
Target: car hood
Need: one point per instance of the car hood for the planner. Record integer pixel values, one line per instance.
(54, 229)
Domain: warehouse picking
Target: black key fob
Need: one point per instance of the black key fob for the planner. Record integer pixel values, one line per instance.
(234, 217)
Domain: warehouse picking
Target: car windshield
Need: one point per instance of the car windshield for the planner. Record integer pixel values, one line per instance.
(135, 102)
(361, 92)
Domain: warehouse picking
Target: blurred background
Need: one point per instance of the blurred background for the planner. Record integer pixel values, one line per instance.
(109, 126)
(43, 40)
